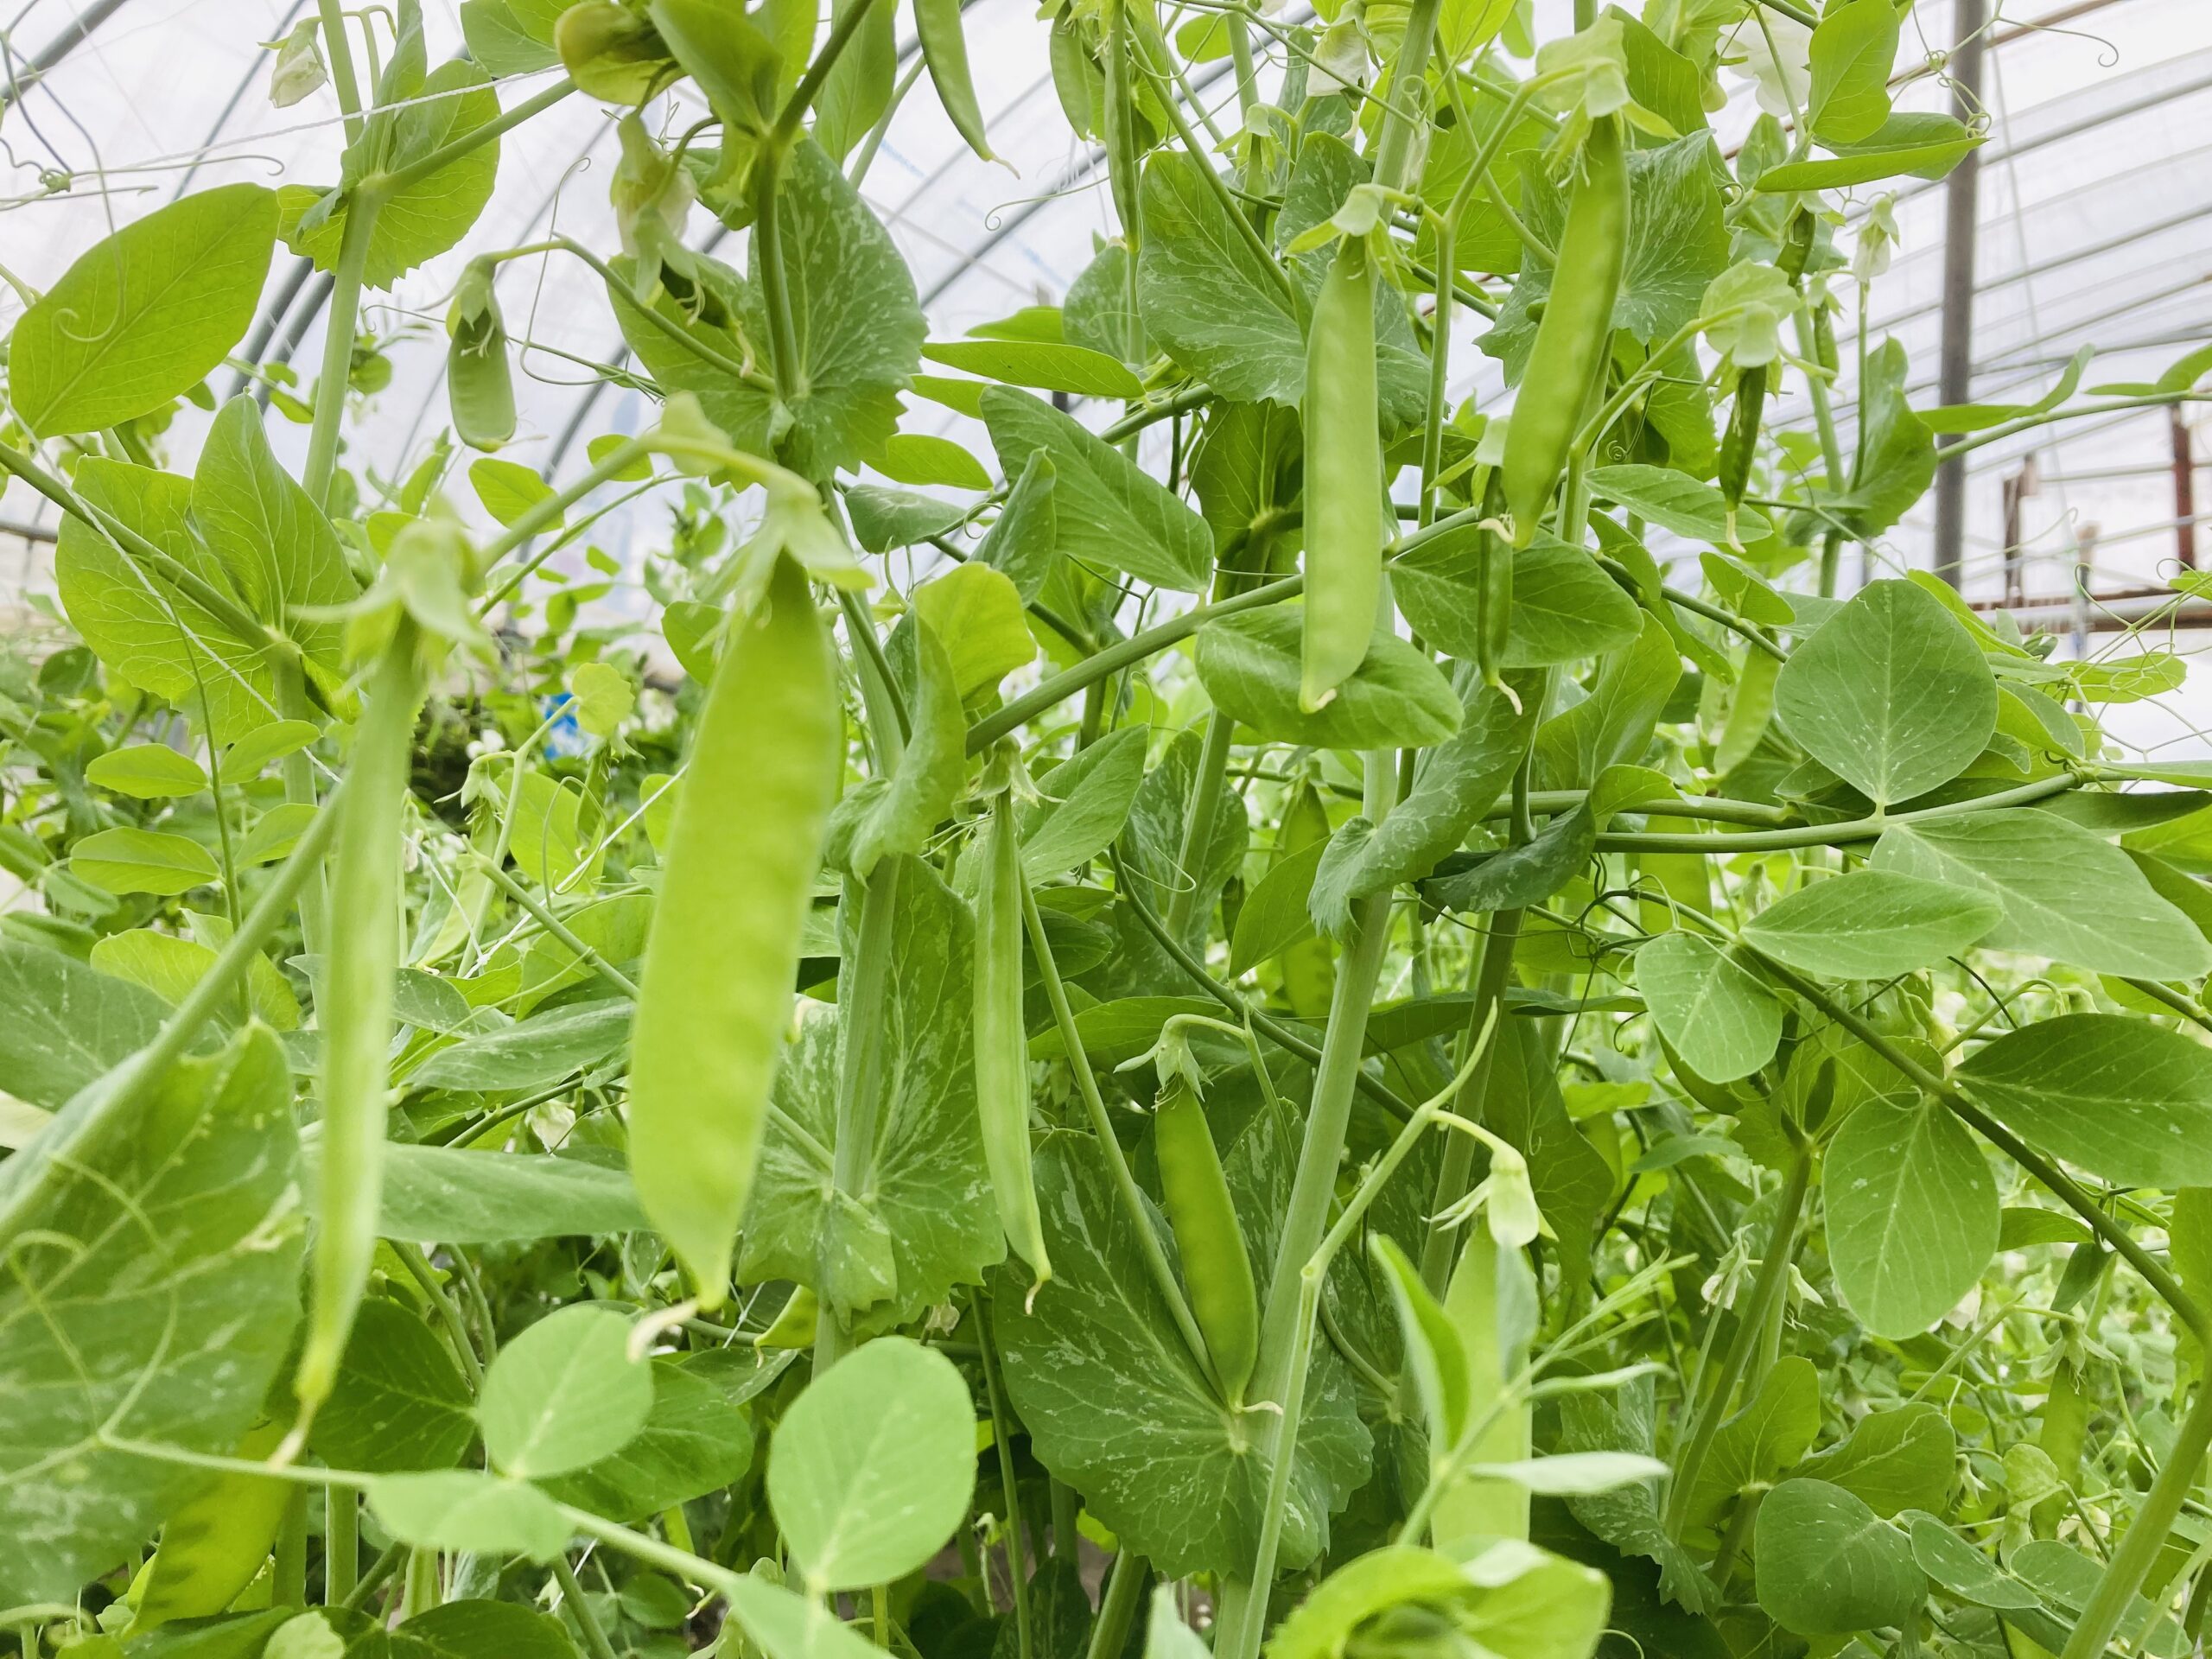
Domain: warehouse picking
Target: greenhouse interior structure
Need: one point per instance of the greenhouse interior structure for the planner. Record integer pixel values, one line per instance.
(1106, 829)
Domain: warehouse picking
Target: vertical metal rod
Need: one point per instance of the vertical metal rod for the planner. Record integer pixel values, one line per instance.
(1961, 201)
(2184, 490)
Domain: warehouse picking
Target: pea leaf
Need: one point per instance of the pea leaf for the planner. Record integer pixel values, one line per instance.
(531, 1053)
(1717, 1014)
(2067, 893)
(1769, 1436)
(1107, 511)
(1890, 694)
(1524, 875)
(63, 1023)
(929, 1222)
(1085, 802)
(452, 1195)
(1926, 143)
(147, 772)
(1912, 1213)
(1203, 295)
(177, 1344)
(1048, 365)
(921, 458)
(1871, 924)
(1396, 699)
(1274, 916)
(468, 1509)
(1851, 52)
(976, 612)
(859, 330)
(2128, 1100)
(1116, 1406)
(697, 1439)
(1674, 501)
(400, 1403)
(1898, 1458)
(1613, 725)
(470, 1629)
(1564, 606)
(564, 1393)
(145, 315)
(872, 1467)
(131, 859)
(1827, 1564)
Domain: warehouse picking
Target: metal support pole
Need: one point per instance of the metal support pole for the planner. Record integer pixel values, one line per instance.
(2184, 490)
(1962, 200)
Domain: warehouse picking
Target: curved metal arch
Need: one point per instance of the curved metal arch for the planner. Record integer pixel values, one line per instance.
(73, 34)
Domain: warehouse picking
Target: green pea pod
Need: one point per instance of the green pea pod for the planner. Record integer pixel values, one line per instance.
(1118, 128)
(1343, 479)
(479, 383)
(1001, 1044)
(1215, 1269)
(215, 1541)
(1491, 1302)
(1576, 329)
(1742, 441)
(723, 956)
(945, 50)
(354, 1007)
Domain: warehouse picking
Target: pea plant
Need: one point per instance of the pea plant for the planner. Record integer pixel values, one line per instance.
(1253, 1008)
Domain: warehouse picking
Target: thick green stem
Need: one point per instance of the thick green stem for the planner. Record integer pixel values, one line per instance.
(1402, 117)
(1109, 1631)
(1773, 1277)
(595, 1641)
(339, 316)
(1849, 833)
(338, 50)
(341, 1545)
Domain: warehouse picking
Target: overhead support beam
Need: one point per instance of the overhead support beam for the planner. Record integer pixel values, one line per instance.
(1961, 202)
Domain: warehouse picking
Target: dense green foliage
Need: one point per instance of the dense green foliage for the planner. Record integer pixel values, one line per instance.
(1232, 1021)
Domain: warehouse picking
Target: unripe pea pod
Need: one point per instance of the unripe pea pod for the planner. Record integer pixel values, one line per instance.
(1216, 1269)
(215, 1541)
(1343, 479)
(1576, 330)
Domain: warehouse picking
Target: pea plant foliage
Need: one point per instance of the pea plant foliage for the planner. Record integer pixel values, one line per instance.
(1245, 1006)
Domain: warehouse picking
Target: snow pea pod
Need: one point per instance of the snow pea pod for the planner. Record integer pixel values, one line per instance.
(1742, 441)
(214, 1541)
(1216, 1269)
(1343, 479)
(945, 50)
(1577, 328)
(354, 1005)
(723, 956)
(1001, 1045)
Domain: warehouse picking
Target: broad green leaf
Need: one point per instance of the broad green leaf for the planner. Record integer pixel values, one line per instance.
(1852, 53)
(2123, 1099)
(921, 458)
(174, 1338)
(1613, 725)
(1827, 1564)
(1524, 875)
(531, 1053)
(1717, 1014)
(507, 488)
(468, 1629)
(169, 967)
(1458, 780)
(500, 40)
(1898, 1458)
(871, 1469)
(1889, 694)
(449, 1195)
(696, 1440)
(274, 833)
(281, 554)
(1046, 365)
(1360, 1590)
(1769, 1436)
(144, 627)
(883, 519)
(1203, 295)
(147, 772)
(1434, 1353)
(400, 1402)
(1023, 540)
(1965, 1572)
(1107, 511)
(468, 1510)
(1116, 1031)
(1898, 450)
(1912, 1214)
(976, 612)
(2067, 893)
(860, 86)
(1396, 699)
(1871, 924)
(1564, 606)
(564, 1393)
(1925, 144)
(1084, 801)
(1674, 501)
(63, 1023)
(859, 330)
(1117, 1406)
(421, 221)
(786, 1625)
(1274, 916)
(1627, 1517)
(928, 1221)
(145, 315)
(131, 859)
(245, 760)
